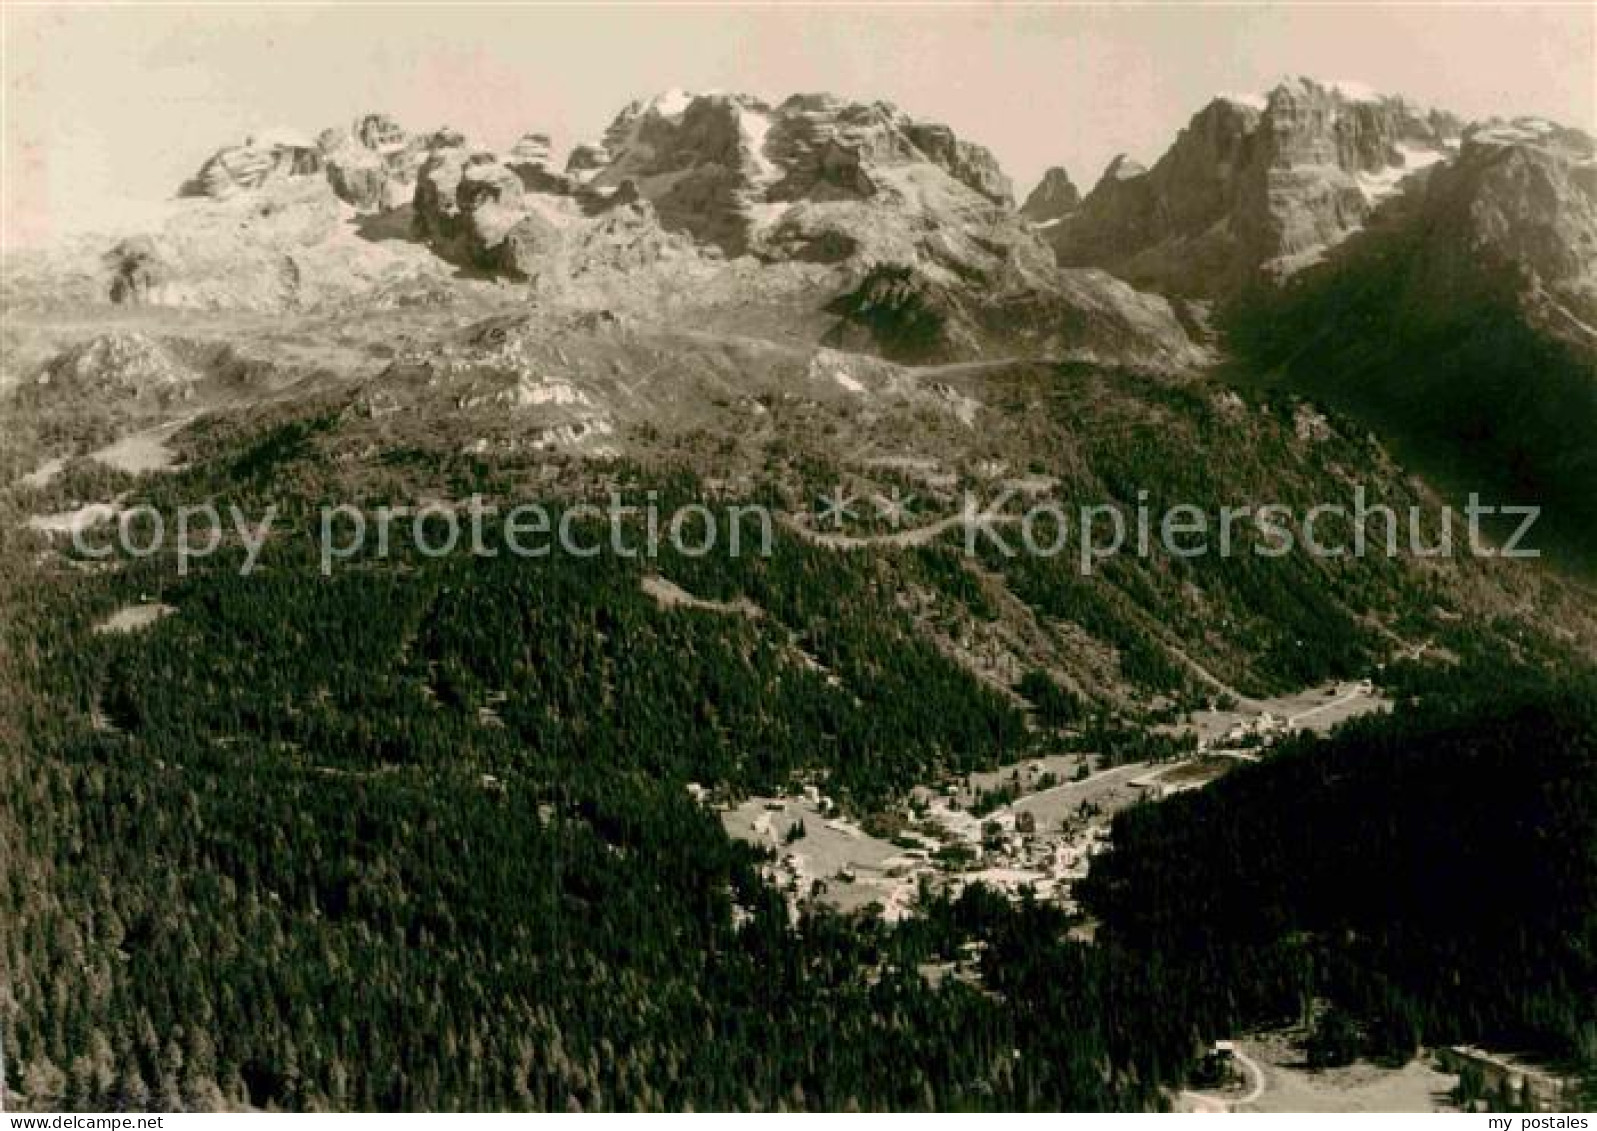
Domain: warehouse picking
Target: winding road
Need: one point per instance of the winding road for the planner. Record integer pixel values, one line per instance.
(1209, 1101)
(1358, 692)
(915, 536)
(1251, 1067)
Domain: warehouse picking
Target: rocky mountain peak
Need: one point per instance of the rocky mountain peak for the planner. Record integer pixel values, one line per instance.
(1054, 198)
(1463, 317)
(1121, 167)
(1256, 185)
(709, 162)
(1341, 124)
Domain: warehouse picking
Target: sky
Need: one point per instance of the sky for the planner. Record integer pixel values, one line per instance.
(109, 107)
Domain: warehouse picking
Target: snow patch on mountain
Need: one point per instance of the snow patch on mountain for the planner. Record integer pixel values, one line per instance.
(671, 103)
(1355, 91)
(755, 128)
(1377, 186)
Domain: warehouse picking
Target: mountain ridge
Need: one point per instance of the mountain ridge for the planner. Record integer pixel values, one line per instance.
(1252, 187)
(874, 815)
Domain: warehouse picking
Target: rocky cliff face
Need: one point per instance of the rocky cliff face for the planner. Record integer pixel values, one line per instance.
(1253, 187)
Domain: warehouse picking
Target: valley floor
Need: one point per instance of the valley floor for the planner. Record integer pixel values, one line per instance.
(1056, 817)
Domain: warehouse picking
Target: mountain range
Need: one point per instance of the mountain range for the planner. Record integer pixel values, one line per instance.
(1320, 207)
(860, 821)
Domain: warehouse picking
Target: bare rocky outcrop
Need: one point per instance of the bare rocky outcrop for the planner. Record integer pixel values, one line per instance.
(697, 160)
(373, 163)
(531, 160)
(472, 208)
(526, 248)
(119, 364)
(911, 316)
(290, 243)
(707, 199)
(1523, 196)
(585, 160)
(437, 215)
(966, 162)
(266, 157)
(825, 145)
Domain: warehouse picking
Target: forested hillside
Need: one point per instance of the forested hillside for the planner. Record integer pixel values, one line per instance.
(1409, 862)
(420, 834)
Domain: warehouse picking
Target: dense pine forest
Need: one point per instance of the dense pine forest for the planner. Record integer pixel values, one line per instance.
(1408, 862)
(420, 834)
